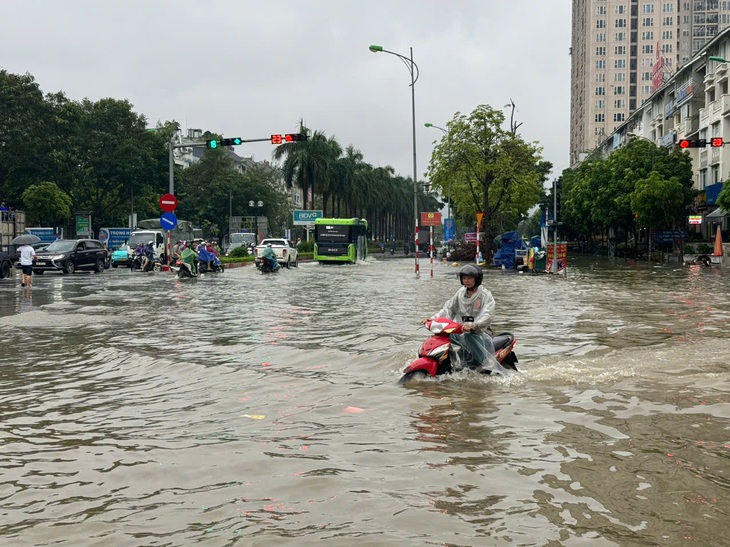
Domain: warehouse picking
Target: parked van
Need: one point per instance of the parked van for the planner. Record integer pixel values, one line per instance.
(150, 230)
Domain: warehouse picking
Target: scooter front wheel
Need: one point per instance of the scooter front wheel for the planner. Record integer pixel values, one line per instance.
(408, 376)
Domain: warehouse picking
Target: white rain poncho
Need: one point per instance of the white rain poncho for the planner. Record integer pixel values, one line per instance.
(480, 305)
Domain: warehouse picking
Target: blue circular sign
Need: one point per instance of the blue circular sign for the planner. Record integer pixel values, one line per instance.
(168, 221)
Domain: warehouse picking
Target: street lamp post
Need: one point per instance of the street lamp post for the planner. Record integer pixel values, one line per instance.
(448, 188)
(413, 70)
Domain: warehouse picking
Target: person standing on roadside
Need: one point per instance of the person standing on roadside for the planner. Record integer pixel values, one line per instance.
(27, 256)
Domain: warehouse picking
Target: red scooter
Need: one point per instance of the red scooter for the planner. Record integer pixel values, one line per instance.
(439, 355)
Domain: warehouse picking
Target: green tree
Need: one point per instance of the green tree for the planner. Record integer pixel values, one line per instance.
(24, 129)
(657, 201)
(489, 169)
(723, 200)
(46, 204)
(210, 189)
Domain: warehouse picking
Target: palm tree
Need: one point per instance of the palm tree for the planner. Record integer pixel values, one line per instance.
(329, 183)
(306, 163)
(349, 171)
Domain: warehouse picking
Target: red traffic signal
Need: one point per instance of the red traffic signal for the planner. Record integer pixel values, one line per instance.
(291, 137)
(716, 142)
(692, 143)
(276, 139)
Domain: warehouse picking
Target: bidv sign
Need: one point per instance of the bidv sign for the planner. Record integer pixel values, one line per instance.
(305, 217)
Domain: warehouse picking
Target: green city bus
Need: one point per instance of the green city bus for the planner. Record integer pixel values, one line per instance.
(340, 240)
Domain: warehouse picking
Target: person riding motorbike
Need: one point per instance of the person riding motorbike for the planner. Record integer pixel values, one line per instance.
(175, 252)
(208, 256)
(187, 259)
(148, 255)
(137, 256)
(270, 257)
(473, 305)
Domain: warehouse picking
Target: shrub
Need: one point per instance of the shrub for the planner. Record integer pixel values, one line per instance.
(239, 252)
(703, 249)
(689, 250)
(306, 247)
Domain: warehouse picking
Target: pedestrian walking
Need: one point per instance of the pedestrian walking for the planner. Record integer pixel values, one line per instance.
(27, 256)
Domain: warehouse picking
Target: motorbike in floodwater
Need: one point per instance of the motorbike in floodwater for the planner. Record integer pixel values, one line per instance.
(440, 355)
(183, 270)
(266, 266)
(208, 262)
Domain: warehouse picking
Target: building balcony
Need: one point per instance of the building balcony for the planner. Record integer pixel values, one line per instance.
(703, 159)
(725, 108)
(716, 155)
(704, 117)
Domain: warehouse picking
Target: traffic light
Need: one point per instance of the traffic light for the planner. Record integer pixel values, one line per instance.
(224, 142)
(716, 142)
(289, 137)
(692, 143)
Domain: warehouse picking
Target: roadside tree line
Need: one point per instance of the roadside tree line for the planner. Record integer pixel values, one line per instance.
(59, 157)
(640, 186)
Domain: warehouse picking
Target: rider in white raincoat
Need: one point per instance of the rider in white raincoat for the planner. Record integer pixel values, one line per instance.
(473, 306)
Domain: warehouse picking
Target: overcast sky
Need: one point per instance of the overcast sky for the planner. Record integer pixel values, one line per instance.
(252, 68)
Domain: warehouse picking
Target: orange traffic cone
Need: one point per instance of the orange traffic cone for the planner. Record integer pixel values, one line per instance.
(718, 243)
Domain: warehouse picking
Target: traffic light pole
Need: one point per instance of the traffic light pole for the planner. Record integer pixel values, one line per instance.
(555, 227)
(203, 144)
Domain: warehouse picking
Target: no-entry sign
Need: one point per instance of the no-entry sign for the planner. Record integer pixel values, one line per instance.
(168, 203)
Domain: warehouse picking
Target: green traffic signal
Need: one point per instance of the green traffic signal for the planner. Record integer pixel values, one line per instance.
(224, 142)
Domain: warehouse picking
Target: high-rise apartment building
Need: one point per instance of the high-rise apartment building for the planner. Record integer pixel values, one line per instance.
(623, 50)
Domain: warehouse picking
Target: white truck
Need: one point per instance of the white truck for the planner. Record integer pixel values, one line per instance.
(12, 224)
(286, 252)
(150, 230)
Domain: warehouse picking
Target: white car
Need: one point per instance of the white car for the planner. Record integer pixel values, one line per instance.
(286, 252)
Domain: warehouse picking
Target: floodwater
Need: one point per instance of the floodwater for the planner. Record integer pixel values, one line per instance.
(249, 409)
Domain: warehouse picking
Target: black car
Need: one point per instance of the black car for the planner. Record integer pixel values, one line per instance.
(69, 255)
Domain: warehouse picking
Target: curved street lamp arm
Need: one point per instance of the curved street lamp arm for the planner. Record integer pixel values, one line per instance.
(410, 64)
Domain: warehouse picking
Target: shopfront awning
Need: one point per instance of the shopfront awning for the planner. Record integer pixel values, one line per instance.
(716, 214)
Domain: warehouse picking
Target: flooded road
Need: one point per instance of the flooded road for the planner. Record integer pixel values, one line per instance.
(243, 409)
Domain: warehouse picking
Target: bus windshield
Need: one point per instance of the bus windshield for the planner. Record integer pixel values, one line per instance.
(333, 233)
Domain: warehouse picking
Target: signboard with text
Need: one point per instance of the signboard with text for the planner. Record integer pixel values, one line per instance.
(113, 238)
(83, 225)
(562, 257)
(430, 219)
(302, 217)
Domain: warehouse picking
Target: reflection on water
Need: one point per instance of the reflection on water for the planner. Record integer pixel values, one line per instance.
(264, 409)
